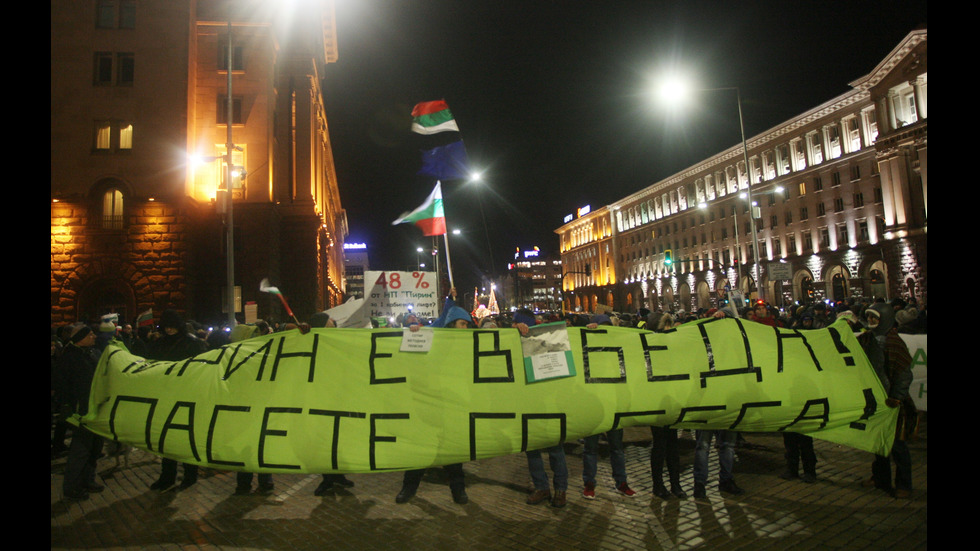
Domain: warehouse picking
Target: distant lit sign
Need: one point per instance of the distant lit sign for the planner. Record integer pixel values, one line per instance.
(569, 218)
(355, 246)
(582, 211)
(527, 254)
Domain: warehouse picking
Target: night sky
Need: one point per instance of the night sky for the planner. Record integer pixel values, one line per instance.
(554, 105)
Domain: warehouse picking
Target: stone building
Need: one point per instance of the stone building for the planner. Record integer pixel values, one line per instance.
(139, 96)
(841, 211)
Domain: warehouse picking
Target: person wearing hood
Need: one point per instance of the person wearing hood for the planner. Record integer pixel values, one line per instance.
(175, 344)
(452, 317)
(897, 381)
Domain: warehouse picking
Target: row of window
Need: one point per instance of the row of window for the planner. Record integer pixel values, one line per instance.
(806, 238)
(847, 135)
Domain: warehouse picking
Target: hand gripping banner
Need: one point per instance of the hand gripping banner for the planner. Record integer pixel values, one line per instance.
(348, 400)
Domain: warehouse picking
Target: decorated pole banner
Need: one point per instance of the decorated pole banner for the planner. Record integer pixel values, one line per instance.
(349, 400)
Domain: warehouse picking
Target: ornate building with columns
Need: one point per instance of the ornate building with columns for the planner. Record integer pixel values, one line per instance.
(139, 126)
(841, 210)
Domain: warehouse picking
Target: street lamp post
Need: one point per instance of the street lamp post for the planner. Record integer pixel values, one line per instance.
(477, 177)
(748, 191)
(674, 87)
(229, 200)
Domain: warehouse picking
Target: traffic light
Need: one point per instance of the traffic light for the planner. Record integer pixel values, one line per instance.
(668, 258)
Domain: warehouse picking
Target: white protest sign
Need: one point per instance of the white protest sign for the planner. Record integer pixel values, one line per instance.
(389, 294)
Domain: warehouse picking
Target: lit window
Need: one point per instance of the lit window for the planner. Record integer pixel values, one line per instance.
(103, 136)
(815, 148)
(238, 164)
(112, 210)
(126, 137)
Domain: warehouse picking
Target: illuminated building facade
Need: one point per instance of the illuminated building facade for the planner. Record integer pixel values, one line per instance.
(356, 263)
(533, 280)
(841, 192)
(139, 90)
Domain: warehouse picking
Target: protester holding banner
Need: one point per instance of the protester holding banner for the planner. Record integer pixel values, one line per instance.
(78, 363)
(725, 441)
(898, 368)
(243, 480)
(523, 319)
(617, 456)
(323, 319)
(664, 448)
(174, 344)
(456, 318)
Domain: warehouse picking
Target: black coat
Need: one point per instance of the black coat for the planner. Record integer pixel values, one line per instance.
(77, 368)
(173, 348)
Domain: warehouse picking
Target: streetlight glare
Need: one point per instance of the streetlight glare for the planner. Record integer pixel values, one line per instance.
(674, 90)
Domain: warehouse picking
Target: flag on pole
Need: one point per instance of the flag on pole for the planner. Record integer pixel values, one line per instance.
(432, 117)
(447, 162)
(429, 217)
(266, 288)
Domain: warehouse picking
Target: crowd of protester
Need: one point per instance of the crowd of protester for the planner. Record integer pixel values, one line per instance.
(75, 349)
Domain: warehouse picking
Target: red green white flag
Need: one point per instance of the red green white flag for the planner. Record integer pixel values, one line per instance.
(430, 218)
(432, 117)
(145, 319)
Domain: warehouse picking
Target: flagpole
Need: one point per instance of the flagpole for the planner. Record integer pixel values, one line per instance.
(449, 266)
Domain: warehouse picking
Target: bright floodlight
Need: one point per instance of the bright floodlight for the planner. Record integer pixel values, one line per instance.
(673, 90)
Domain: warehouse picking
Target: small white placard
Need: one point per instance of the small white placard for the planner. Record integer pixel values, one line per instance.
(417, 341)
(549, 365)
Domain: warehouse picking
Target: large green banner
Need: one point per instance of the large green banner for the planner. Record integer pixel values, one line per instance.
(350, 400)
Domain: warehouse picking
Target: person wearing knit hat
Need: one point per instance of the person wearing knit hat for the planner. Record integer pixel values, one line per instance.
(452, 317)
(77, 364)
(897, 380)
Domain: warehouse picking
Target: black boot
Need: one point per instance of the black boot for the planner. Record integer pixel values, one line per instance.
(406, 493)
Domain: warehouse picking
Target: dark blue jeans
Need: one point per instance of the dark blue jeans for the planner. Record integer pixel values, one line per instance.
(559, 469)
(726, 455)
(590, 457)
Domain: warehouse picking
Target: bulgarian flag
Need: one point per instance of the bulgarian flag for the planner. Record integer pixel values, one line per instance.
(432, 117)
(430, 218)
(266, 288)
(145, 319)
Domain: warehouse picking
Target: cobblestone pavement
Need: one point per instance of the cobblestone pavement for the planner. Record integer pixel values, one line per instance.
(835, 512)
